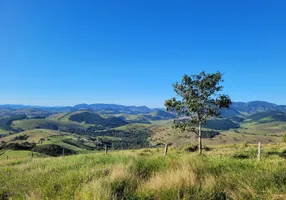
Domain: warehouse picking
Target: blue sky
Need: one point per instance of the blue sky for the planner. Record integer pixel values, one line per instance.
(131, 52)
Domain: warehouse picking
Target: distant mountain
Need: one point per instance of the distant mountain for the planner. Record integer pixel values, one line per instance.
(29, 112)
(236, 109)
(93, 107)
(159, 115)
(250, 108)
(256, 107)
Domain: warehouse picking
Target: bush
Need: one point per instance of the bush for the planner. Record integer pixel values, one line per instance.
(20, 137)
(18, 146)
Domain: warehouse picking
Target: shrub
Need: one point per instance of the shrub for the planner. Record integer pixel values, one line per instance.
(18, 146)
(20, 137)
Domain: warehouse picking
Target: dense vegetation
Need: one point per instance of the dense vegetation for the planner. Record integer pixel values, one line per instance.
(53, 150)
(221, 124)
(5, 122)
(269, 116)
(93, 118)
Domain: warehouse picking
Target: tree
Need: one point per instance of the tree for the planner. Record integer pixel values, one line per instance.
(199, 99)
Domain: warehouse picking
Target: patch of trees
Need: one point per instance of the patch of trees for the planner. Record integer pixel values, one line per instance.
(221, 124)
(18, 146)
(93, 118)
(209, 134)
(53, 150)
(132, 139)
(20, 137)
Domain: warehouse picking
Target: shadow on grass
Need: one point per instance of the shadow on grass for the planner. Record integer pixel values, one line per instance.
(276, 153)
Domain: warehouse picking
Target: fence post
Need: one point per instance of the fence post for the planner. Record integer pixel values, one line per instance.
(259, 151)
(7, 157)
(105, 149)
(32, 155)
(166, 149)
(63, 151)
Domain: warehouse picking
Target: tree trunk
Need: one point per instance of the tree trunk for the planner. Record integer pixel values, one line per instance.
(200, 139)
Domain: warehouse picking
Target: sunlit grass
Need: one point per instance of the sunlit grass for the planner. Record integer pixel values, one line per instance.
(229, 172)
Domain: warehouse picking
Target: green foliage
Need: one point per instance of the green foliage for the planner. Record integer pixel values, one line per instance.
(221, 124)
(18, 146)
(93, 118)
(244, 144)
(5, 123)
(284, 138)
(20, 137)
(200, 99)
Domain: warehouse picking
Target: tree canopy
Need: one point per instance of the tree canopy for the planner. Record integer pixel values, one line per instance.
(198, 99)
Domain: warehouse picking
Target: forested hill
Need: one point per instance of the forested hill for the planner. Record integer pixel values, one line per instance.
(237, 108)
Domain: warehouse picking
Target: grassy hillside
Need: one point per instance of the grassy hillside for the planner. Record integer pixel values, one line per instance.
(33, 135)
(29, 112)
(222, 173)
(265, 117)
(88, 117)
(30, 124)
(221, 124)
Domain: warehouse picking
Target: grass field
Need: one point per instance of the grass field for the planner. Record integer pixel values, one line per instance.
(227, 172)
(34, 135)
(18, 155)
(30, 124)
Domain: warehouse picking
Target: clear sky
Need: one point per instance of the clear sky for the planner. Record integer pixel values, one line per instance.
(58, 52)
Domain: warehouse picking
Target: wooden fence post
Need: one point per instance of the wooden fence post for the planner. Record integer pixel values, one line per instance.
(7, 157)
(32, 155)
(166, 149)
(105, 149)
(259, 151)
(63, 151)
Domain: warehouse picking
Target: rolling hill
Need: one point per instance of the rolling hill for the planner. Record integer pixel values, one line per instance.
(88, 117)
(29, 112)
(270, 116)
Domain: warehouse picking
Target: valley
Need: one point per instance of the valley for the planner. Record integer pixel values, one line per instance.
(85, 128)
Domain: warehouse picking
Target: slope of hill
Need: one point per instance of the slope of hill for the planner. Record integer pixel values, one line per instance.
(264, 117)
(6, 122)
(256, 107)
(89, 117)
(30, 124)
(32, 135)
(221, 124)
(159, 115)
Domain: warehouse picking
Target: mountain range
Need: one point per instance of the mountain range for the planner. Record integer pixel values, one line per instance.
(236, 109)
